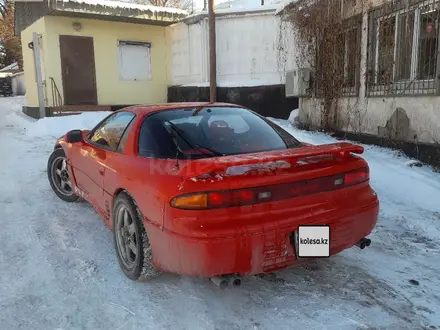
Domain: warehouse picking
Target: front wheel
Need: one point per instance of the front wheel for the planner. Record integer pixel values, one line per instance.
(131, 241)
(58, 176)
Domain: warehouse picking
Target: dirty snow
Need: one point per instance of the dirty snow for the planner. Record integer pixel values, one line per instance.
(57, 126)
(58, 269)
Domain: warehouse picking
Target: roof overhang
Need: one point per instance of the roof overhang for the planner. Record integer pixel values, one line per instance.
(130, 13)
(219, 13)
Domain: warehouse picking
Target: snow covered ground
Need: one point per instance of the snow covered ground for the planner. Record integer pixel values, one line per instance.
(58, 269)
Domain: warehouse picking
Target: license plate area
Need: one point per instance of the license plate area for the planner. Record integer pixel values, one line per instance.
(311, 241)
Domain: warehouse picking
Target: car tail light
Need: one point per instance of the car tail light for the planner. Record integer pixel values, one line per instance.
(256, 195)
(193, 201)
(357, 176)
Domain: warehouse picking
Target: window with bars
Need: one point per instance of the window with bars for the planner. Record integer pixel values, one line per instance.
(403, 49)
(345, 59)
(352, 53)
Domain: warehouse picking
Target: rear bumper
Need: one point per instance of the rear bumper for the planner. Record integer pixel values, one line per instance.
(248, 254)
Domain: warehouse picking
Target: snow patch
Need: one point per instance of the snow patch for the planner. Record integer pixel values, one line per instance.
(293, 115)
(58, 126)
(414, 163)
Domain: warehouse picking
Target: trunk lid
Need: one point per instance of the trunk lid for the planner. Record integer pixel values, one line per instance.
(268, 168)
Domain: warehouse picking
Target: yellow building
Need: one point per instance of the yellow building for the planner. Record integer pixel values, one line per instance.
(93, 55)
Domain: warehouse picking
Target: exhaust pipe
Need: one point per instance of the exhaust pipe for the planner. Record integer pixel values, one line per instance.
(220, 281)
(363, 243)
(234, 280)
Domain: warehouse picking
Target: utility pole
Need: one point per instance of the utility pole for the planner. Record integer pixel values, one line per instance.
(212, 54)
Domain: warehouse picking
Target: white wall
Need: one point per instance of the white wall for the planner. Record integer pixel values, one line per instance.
(252, 50)
(188, 47)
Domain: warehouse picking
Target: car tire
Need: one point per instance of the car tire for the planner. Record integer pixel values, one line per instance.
(58, 176)
(135, 260)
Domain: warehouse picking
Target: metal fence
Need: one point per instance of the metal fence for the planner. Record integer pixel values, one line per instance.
(403, 48)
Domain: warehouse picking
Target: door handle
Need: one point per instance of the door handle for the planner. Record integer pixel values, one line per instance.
(101, 170)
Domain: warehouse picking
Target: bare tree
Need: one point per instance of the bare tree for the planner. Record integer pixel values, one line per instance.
(10, 44)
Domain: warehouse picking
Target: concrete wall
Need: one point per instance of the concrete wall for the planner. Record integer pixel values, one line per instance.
(252, 50)
(18, 84)
(407, 118)
(412, 119)
(105, 35)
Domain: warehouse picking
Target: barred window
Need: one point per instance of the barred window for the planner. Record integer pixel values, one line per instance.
(403, 48)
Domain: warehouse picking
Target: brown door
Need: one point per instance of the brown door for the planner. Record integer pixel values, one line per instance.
(78, 70)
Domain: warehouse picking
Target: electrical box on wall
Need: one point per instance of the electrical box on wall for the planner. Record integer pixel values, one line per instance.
(298, 82)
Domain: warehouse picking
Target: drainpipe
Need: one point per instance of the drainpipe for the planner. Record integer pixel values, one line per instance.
(212, 54)
(38, 75)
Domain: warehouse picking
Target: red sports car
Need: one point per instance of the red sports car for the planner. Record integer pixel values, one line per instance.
(214, 190)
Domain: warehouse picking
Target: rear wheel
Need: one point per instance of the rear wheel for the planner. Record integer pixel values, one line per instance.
(131, 240)
(58, 176)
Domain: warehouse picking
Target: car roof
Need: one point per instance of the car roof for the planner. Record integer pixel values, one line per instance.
(145, 109)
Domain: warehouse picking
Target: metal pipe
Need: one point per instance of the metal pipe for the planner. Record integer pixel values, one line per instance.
(38, 74)
(220, 281)
(234, 280)
(212, 54)
(363, 243)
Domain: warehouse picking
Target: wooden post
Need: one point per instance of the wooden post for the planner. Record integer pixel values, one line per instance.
(212, 54)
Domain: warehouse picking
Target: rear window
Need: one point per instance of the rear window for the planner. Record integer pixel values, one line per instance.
(208, 132)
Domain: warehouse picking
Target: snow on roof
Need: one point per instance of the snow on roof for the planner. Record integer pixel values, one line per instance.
(129, 5)
(13, 66)
(246, 4)
(284, 4)
(232, 11)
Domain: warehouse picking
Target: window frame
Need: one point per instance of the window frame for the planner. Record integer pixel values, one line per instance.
(146, 44)
(401, 87)
(350, 24)
(101, 123)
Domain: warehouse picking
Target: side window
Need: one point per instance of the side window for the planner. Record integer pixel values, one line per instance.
(121, 144)
(154, 140)
(110, 132)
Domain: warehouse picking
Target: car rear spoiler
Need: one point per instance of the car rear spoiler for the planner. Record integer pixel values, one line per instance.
(230, 165)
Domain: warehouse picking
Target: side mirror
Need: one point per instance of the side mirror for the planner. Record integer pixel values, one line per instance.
(74, 136)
